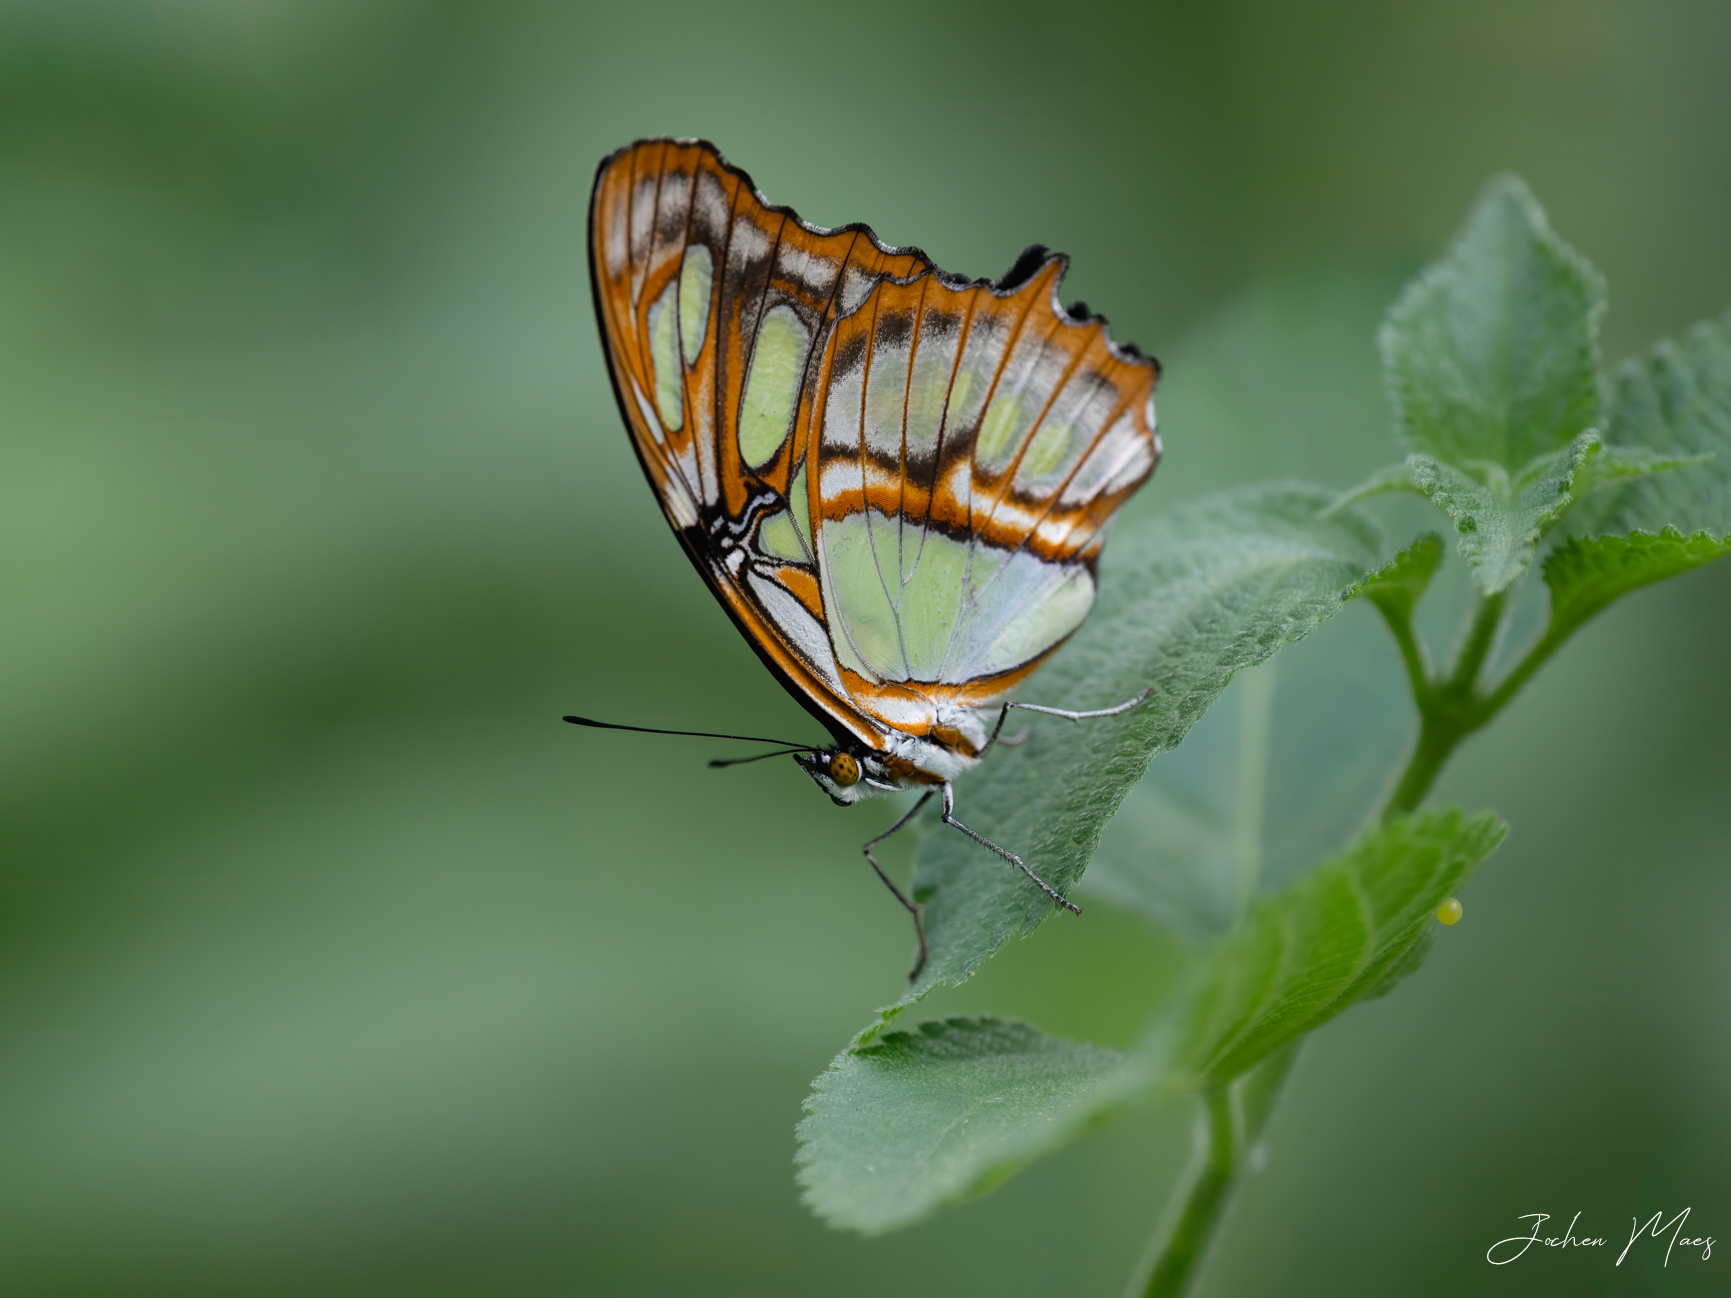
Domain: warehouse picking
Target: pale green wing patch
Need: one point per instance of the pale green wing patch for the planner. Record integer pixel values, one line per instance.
(778, 538)
(886, 542)
(886, 397)
(930, 600)
(998, 431)
(962, 611)
(772, 385)
(1041, 602)
(862, 619)
(929, 388)
(696, 273)
(664, 356)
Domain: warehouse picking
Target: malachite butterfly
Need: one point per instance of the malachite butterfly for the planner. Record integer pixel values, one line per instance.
(896, 480)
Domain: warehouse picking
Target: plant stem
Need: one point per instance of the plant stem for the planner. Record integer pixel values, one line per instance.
(1179, 1252)
(1436, 740)
(1449, 710)
(1487, 618)
(1231, 1122)
(1411, 651)
(1542, 649)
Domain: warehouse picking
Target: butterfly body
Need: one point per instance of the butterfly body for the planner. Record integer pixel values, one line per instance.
(955, 743)
(895, 480)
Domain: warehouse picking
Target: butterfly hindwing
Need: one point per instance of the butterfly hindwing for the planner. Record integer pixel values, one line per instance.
(974, 439)
(895, 480)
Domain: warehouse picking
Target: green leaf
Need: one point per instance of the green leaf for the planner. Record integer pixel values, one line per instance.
(1586, 575)
(1492, 353)
(1615, 464)
(1400, 584)
(1673, 404)
(1185, 601)
(1345, 933)
(1499, 519)
(1395, 477)
(913, 1120)
(1276, 776)
(919, 1119)
(1172, 854)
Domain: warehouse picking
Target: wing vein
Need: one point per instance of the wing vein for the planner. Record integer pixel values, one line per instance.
(669, 457)
(903, 572)
(818, 345)
(1034, 428)
(718, 423)
(865, 491)
(966, 604)
(685, 371)
(1058, 491)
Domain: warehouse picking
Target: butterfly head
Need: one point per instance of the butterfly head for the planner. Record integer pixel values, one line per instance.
(843, 774)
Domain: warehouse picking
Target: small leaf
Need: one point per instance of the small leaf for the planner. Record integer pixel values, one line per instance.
(1396, 477)
(1400, 583)
(1587, 575)
(1492, 353)
(1614, 464)
(1500, 519)
(919, 1119)
(1675, 403)
(1345, 933)
(1186, 600)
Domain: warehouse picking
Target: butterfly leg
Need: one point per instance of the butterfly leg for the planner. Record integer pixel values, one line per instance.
(1011, 857)
(919, 928)
(1022, 738)
(1122, 708)
(1014, 741)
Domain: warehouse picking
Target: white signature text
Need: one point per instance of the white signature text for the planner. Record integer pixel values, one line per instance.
(1508, 1250)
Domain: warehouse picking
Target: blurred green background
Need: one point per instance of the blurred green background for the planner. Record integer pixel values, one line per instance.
(330, 962)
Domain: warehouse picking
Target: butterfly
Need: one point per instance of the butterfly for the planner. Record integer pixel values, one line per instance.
(894, 479)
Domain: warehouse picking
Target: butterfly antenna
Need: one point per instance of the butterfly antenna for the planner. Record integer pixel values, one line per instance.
(788, 744)
(741, 761)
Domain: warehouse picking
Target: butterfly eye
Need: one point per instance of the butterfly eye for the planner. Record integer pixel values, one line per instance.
(1449, 912)
(843, 769)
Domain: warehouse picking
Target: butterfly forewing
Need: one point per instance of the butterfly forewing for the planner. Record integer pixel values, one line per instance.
(896, 481)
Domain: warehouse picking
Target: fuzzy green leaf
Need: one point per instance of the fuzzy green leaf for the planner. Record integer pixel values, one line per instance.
(1492, 353)
(919, 1119)
(1616, 464)
(1399, 584)
(913, 1120)
(1185, 601)
(1345, 933)
(1172, 856)
(1586, 575)
(1675, 405)
(1499, 518)
(1394, 477)
(1275, 777)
